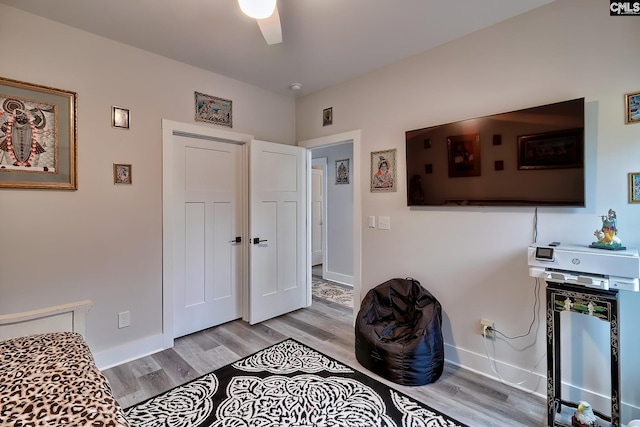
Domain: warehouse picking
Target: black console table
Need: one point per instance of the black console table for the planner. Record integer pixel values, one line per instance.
(602, 304)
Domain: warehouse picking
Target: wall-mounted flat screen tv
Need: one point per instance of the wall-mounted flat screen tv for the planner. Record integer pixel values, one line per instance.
(530, 157)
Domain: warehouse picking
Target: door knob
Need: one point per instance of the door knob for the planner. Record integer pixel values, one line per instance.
(238, 239)
(257, 240)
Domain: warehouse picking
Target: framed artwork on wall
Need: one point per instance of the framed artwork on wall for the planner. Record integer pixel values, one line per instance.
(632, 107)
(383, 171)
(327, 116)
(211, 109)
(119, 117)
(122, 174)
(38, 136)
(342, 171)
(634, 187)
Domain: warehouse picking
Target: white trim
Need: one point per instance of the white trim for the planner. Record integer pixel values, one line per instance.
(115, 356)
(323, 163)
(478, 363)
(536, 385)
(343, 279)
(355, 137)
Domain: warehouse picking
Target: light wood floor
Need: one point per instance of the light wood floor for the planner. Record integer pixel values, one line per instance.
(327, 327)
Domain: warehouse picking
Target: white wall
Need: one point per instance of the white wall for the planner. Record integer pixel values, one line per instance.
(339, 200)
(474, 259)
(104, 242)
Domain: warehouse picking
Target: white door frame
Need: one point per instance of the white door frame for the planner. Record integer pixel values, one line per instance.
(355, 138)
(322, 162)
(169, 129)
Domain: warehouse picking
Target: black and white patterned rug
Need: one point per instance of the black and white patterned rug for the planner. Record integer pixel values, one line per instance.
(287, 384)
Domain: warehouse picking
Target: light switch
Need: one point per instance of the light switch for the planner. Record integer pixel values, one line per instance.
(384, 223)
(372, 222)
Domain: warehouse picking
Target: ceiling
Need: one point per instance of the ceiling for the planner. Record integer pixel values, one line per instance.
(325, 42)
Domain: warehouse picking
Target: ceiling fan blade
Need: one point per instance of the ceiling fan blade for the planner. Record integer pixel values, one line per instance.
(271, 29)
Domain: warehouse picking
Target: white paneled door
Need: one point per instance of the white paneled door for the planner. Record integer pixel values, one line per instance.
(277, 222)
(208, 207)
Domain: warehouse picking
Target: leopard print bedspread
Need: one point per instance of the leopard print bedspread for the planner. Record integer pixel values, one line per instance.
(52, 380)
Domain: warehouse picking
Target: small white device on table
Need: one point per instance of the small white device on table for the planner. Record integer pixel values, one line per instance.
(583, 280)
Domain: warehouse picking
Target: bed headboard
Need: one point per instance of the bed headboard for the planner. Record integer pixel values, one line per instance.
(60, 318)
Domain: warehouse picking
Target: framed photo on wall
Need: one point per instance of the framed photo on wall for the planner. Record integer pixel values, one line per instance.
(38, 136)
(342, 171)
(383, 171)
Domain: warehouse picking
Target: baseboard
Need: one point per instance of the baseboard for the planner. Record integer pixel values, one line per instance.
(512, 375)
(535, 383)
(130, 351)
(343, 279)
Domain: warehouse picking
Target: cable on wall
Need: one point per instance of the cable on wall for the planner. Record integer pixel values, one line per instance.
(535, 225)
(494, 367)
(536, 303)
(492, 362)
(536, 307)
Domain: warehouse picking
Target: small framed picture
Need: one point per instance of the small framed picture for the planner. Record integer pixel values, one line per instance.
(634, 187)
(327, 116)
(632, 107)
(122, 174)
(383, 171)
(342, 171)
(119, 117)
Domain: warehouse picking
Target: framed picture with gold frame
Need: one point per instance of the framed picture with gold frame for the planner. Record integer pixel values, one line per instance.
(634, 187)
(632, 107)
(122, 174)
(38, 136)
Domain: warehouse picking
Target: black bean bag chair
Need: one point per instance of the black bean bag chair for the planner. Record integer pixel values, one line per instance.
(398, 333)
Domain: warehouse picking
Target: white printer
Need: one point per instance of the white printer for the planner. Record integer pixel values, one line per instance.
(585, 266)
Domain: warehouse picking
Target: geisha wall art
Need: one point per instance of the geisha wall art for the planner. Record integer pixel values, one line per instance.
(383, 171)
(37, 136)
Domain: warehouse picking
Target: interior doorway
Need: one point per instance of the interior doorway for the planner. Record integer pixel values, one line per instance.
(278, 176)
(354, 139)
(337, 200)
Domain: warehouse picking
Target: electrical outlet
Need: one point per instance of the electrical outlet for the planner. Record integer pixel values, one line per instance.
(486, 328)
(124, 319)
